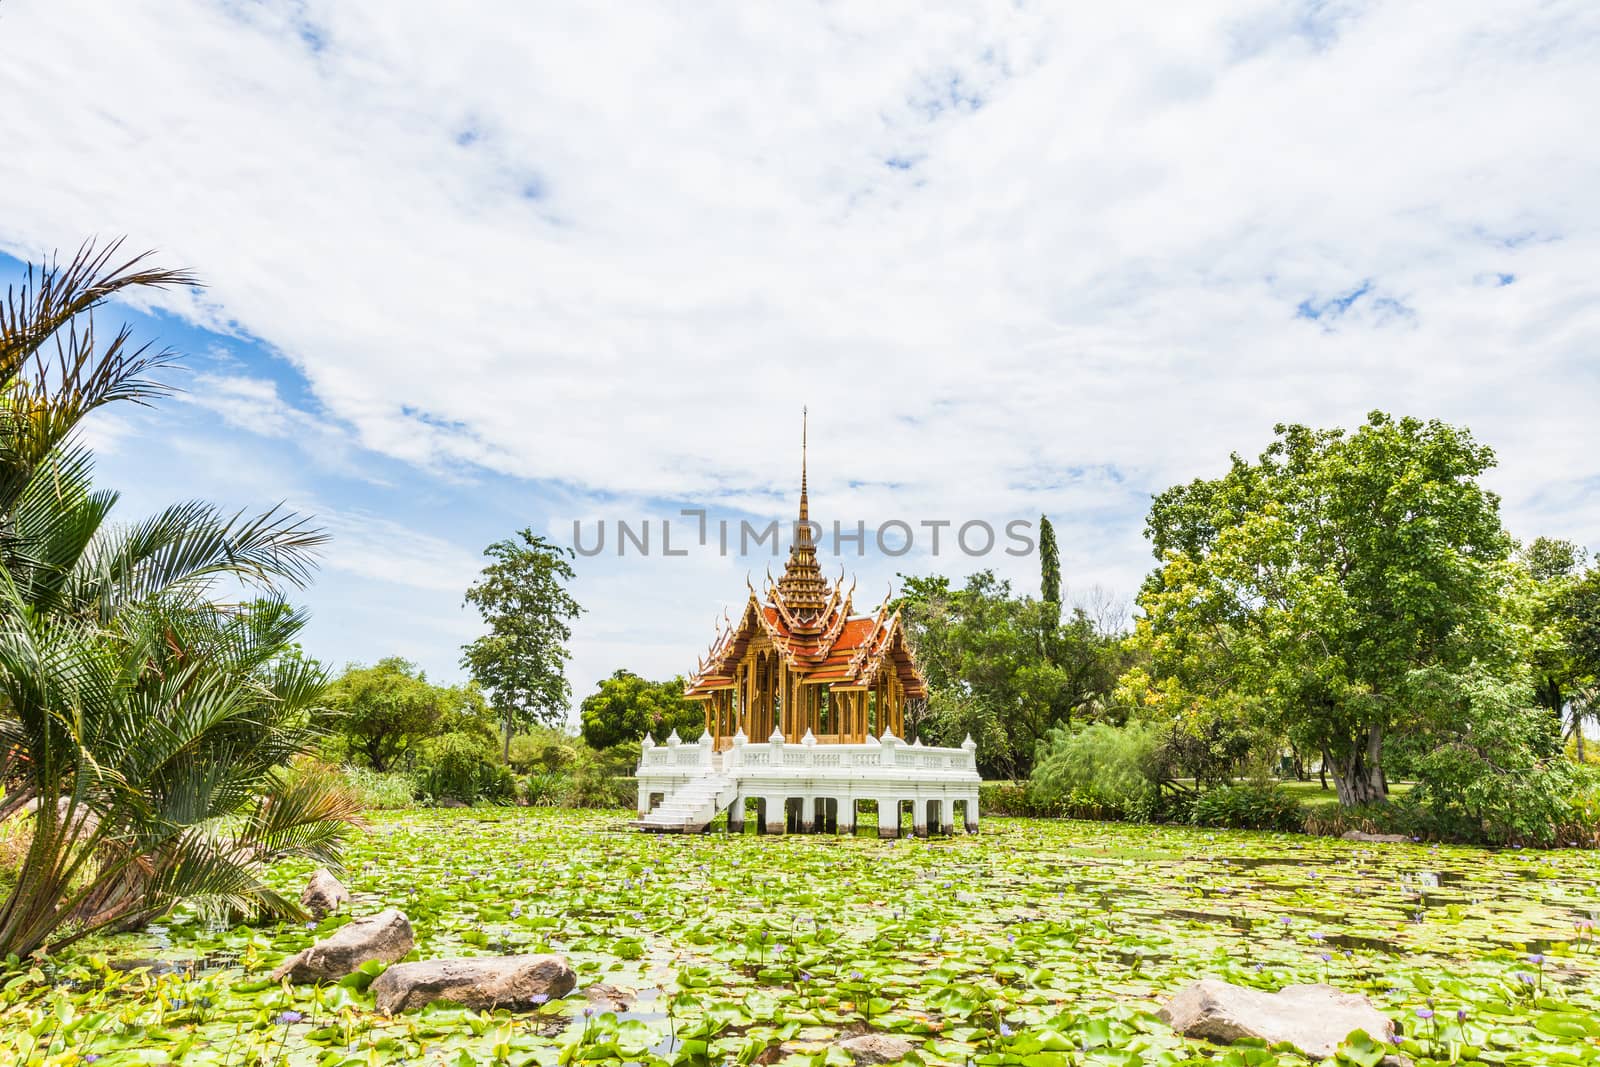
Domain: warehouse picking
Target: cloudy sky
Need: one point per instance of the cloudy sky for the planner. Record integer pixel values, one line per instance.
(520, 265)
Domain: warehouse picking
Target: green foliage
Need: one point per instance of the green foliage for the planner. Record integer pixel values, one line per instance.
(590, 779)
(1049, 563)
(1100, 770)
(146, 724)
(544, 749)
(465, 767)
(626, 707)
(1001, 661)
(1494, 772)
(1311, 585)
(522, 597)
(1252, 806)
(1575, 615)
(387, 710)
(380, 790)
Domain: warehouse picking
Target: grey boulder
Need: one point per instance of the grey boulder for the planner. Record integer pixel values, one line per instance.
(481, 983)
(384, 937)
(876, 1048)
(324, 893)
(1315, 1019)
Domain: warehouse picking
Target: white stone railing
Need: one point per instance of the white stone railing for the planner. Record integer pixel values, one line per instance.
(787, 756)
(675, 755)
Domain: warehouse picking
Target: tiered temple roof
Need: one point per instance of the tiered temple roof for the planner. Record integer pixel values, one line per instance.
(806, 621)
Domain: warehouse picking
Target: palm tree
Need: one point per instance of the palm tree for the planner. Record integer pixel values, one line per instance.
(145, 724)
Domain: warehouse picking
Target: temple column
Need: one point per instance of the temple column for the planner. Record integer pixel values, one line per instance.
(744, 702)
(846, 819)
(919, 817)
(776, 814)
(972, 813)
(808, 814)
(888, 818)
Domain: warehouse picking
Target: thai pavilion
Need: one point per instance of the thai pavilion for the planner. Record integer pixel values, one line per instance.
(805, 718)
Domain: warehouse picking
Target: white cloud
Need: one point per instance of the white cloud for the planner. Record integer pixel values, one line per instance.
(1016, 257)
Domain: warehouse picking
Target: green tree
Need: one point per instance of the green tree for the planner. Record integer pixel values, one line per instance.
(385, 711)
(1579, 610)
(626, 707)
(1554, 570)
(1325, 575)
(521, 661)
(995, 659)
(144, 723)
(1049, 565)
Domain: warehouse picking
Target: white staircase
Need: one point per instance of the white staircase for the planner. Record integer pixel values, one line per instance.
(691, 807)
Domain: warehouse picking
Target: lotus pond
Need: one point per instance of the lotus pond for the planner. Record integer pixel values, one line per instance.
(1035, 943)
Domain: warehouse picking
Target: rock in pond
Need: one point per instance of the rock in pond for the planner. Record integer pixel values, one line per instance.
(1380, 839)
(384, 937)
(481, 983)
(876, 1048)
(324, 893)
(1313, 1018)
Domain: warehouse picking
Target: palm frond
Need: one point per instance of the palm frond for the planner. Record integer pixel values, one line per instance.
(51, 296)
(186, 548)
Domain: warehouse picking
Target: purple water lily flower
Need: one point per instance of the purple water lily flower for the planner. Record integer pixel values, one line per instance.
(1005, 1031)
(1424, 1013)
(288, 1017)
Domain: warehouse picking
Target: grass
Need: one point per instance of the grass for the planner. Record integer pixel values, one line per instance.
(1044, 944)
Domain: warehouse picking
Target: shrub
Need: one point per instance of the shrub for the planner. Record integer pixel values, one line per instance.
(1099, 771)
(380, 790)
(465, 767)
(1551, 803)
(1491, 771)
(1007, 798)
(1256, 806)
(1382, 818)
(542, 751)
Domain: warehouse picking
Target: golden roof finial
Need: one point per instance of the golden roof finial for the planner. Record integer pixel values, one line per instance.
(805, 510)
(802, 589)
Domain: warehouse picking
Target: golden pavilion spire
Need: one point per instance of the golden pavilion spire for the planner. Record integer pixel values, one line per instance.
(803, 589)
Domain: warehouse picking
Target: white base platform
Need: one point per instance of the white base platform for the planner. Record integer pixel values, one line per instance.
(807, 787)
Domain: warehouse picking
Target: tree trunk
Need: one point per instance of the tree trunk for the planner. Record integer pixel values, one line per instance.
(507, 755)
(1358, 776)
(1577, 734)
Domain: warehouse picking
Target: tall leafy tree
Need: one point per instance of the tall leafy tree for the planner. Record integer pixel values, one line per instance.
(523, 598)
(626, 707)
(145, 723)
(1049, 565)
(1323, 580)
